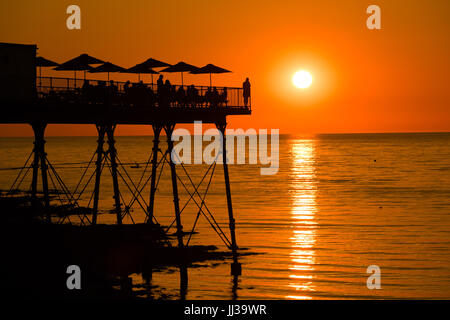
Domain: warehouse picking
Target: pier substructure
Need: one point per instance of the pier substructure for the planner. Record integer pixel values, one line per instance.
(112, 159)
(101, 130)
(156, 133)
(235, 267)
(40, 157)
(168, 128)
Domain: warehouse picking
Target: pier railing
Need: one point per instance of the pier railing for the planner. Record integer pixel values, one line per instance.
(139, 94)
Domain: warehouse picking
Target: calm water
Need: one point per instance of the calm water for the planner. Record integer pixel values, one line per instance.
(338, 204)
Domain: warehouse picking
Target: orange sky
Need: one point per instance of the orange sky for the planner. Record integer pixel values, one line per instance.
(389, 80)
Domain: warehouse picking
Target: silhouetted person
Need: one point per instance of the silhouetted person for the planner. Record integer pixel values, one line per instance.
(181, 96)
(141, 93)
(160, 80)
(160, 90)
(215, 97)
(159, 85)
(208, 96)
(101, 91)
(150, 96)
(246, 91)
(192, 95)
(173, 94)
(86, 85)
(126, 86)
(112, 87)
(166, 93)
(195, 95)
(86, 90)
(224, 96)
(189, 95)
(111, 92)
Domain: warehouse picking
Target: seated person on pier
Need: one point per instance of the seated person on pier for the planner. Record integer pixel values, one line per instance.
(138, 95)
(224, 97)
(173, 95)
(126, 86)
(112, 93)
(192, 96)
(85, 86)
(181, 96)
(207, 97)
(149, 96)
(160, 90)
(112, 87)
(100, 92)
(160, 85)
(86, 91)
(214, 98)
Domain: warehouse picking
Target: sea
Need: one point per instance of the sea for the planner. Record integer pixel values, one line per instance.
(347, 216)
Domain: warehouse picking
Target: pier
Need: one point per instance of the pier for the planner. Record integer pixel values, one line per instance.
(105, 105)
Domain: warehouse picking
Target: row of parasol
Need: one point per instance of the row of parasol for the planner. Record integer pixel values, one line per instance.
(85, 63)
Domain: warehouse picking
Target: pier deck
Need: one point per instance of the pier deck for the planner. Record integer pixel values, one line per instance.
(65, 101)
(105, 105)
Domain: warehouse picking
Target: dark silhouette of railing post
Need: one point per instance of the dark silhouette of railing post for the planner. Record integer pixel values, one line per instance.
(98, 170)
(235, 267)
(169, 130)
(112, 155)
(40, 156)
(156, 132)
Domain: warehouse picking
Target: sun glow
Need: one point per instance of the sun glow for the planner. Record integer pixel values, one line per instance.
(302, 79)
(303, 194)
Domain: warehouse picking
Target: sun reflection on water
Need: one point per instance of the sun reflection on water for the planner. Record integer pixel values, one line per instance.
(303, 195)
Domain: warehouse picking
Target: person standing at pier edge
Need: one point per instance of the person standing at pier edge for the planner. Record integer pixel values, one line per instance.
(246, 91)
(159, 84)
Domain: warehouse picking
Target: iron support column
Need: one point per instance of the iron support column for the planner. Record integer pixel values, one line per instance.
(169, 130)
(112, 154)
(156, 133)
(40, 156)
(98, 170)
(235, 267)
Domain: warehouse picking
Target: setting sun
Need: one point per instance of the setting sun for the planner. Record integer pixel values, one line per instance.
(302, 79)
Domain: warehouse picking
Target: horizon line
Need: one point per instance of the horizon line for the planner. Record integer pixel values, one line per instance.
(281, 134)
